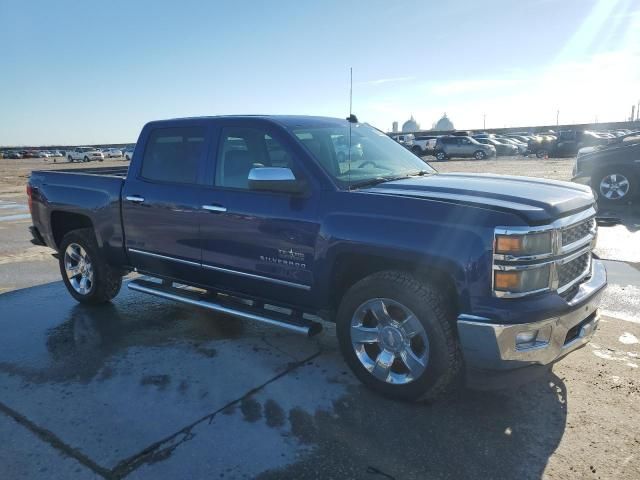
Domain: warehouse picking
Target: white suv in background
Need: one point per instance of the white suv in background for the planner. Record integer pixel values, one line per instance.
(84, 154)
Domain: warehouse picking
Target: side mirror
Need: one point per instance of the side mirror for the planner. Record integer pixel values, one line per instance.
(274, 179)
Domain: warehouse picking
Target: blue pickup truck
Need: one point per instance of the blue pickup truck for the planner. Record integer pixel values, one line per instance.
(430, 278)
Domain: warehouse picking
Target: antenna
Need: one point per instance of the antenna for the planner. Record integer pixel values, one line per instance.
(350, 91)
(350, 119)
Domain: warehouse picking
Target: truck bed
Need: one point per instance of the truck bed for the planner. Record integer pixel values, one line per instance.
(80, 196)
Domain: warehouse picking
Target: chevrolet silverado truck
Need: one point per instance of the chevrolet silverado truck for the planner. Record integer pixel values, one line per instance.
(430, 278)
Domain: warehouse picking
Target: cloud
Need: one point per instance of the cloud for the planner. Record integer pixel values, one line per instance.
(456, 87)
(382, 81)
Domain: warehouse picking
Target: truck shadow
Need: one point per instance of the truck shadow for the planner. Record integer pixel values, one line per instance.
(506, 434)
(627, 215)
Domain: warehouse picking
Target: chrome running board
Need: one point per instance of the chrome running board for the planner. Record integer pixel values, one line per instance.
(236, 309)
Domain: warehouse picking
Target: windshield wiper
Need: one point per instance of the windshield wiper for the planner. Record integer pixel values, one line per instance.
(376, 181)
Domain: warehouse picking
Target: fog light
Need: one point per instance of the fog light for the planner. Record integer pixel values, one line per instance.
(533, 338)
(526, 337)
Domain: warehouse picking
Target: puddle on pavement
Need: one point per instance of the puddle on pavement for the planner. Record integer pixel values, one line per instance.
(79, 348)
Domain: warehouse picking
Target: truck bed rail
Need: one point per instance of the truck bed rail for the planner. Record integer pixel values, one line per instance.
(107, 171)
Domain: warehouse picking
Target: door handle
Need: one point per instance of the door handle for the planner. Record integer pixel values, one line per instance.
(135, 198)
(214, 208)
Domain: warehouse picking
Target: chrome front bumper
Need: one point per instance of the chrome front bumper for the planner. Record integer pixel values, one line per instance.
(490, 346)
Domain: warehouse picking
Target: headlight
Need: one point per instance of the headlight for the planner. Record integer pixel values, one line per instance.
(522, 281)
(524, 245)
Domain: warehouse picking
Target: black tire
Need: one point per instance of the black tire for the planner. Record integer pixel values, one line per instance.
(479, 155)
(542, 153)
(417, 151)
(622, 174)
(441, 156)
(85, 159)
(430, 307)
(106, 280)
(70, 159)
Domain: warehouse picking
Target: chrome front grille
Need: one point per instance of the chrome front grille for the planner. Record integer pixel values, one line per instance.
(577, 232)
(576, 268)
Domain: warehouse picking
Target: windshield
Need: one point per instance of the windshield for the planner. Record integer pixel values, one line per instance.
(373, 155)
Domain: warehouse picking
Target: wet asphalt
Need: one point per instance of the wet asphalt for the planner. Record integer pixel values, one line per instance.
(146, 388)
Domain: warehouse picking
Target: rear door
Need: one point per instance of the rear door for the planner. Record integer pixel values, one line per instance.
(161, 208)
(255, 242)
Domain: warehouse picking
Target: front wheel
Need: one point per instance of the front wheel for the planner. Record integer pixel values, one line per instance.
(86, 274)
(396, 334)
(479, 155)
(85, 159)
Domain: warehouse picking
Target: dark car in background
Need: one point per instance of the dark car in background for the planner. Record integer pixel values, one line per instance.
(569, 142)
(612, 170)
(542, 144)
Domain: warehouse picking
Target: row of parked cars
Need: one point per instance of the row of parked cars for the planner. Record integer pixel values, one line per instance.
(484, 145)
(608, 162)
(77, 154)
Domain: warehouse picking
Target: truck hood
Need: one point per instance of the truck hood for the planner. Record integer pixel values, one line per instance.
(536, 200)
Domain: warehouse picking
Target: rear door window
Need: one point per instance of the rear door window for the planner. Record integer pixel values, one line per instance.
(173, 154)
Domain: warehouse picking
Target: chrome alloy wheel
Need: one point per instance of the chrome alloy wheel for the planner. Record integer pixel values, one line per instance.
(77, 265)
(614, 186)
(389, 341)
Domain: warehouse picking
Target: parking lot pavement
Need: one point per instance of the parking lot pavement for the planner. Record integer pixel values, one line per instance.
(24, 455)
(149, 389)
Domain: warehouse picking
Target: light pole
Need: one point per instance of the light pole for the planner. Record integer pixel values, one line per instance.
(557, 119)
(484, 121)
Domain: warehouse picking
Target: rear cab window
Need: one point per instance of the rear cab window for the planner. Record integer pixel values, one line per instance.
(173, 154)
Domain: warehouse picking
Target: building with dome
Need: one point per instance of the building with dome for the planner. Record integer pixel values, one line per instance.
(410, 125)
(443, 124)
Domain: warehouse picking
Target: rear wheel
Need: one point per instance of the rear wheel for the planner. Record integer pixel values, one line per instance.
(70, 159)
(416, 150)
(86, 159)
(615, 185)
(396, 335)
(85, 273)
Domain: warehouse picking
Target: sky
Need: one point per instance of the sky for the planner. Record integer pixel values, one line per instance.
(89, 71)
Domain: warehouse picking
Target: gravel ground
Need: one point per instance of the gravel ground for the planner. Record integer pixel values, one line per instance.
(553, 168)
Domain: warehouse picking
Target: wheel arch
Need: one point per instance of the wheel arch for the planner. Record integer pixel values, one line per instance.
(349, 268)
(64, 222)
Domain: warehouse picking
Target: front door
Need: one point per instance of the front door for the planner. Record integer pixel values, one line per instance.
(161, 208)
(254, 242)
